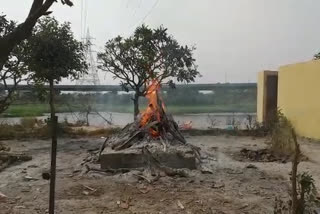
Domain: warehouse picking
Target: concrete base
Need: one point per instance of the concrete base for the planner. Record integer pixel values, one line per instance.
(177, 157)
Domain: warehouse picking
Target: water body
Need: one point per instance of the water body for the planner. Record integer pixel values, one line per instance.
(199, 121)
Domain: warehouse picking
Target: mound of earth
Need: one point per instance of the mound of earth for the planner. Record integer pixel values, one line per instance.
(262, 155)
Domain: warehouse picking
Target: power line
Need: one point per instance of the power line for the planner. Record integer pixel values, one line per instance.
(137, 8)
(81, 30)
(84, 15)
(146, 16)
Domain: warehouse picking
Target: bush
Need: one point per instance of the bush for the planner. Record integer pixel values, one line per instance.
(28, 122)
(281, 135)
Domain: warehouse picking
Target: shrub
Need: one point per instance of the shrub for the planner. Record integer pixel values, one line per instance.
(281, 135)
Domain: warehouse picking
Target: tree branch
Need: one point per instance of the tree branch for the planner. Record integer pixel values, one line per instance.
(23, 31)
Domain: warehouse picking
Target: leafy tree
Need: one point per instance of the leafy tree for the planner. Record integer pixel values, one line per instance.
(12, 42)
(9, 40)
(14, 70)
(149, 54)
(53, 54)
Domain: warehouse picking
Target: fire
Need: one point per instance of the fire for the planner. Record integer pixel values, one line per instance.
(153, 111)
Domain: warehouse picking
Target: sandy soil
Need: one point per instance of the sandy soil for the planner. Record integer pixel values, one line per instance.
(232, 188)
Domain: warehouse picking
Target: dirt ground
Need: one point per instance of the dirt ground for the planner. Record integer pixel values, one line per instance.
(233, 187)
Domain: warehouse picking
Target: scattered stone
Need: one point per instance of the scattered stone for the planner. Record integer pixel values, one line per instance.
(3, 197)
(251, 166)
(4, 147)
(217, 186)
(46, 175)
(124, 205)
(26, 189)
(29, 178)
(206, 170)
(180, 205)
(85, 192)
(244, 206)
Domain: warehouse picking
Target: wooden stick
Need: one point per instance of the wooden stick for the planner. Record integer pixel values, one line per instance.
(103, 146)
(109, 170)
(144, 178)
(163, 144)
(127, 143)
(89, 188)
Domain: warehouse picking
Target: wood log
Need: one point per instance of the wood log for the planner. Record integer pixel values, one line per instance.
(113, 171)
(134, 133)
(4, 156)
(128, 143)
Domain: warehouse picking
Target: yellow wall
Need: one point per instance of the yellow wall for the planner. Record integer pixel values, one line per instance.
(299, 96)
(260, 96)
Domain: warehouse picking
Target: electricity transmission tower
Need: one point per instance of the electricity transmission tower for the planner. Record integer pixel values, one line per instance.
(92, 77)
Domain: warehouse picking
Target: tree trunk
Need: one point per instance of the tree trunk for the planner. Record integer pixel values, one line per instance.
(53, 123)
(136, 105)
(295, 163)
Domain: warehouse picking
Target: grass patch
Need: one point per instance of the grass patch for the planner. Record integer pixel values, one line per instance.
(27, 110)
(33, 110)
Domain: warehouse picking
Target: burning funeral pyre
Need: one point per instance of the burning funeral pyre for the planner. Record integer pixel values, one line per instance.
(152, 139)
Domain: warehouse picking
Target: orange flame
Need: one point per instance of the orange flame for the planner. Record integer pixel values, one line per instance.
(152, 113)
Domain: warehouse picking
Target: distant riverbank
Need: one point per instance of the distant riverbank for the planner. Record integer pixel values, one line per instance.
(33, 110)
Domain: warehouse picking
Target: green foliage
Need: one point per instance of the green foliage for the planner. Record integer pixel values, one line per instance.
(6, 26)
(148, 54)
(307, 194)
(282, 142)
(14, 70)
(316, 56)
(54, 53)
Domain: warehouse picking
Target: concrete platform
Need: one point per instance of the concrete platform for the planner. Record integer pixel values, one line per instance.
(179, 157)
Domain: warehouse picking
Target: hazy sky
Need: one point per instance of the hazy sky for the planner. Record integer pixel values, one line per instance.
(234, 38)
